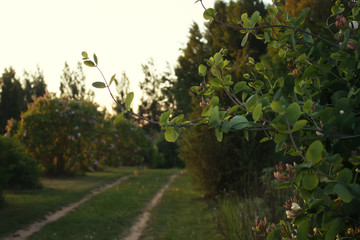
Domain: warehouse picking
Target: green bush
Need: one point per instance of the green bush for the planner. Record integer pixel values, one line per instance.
(128, 145)
(17, 170)
(62, 135)
(232, 165)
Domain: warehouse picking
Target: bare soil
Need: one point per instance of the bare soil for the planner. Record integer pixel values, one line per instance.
(140, 224)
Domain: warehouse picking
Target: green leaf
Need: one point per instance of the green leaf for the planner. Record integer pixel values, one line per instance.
(310, 181)
(128, 100)
(301, 58)
(299, 125)
(84, 55)
(314, 152)
(251, 102)
(302, 231)
(219, 134)
(202, 70)
(118, 118)
(99, 84)
(293, 112)
(257, 112)
(95, 59)
(239, 122)
(307, 37)
(214, 101)
(355, 160)
(265, 139)
(164, 117)
(307, 106)
(239, 86)
(276, 106)
(218, 59)
(254, 18)
(345, 176)
(274, 235)
(89, 63)
(216, 82)
(343, 192)
(209, 14)
(214, 119)
(335, 228)
(112, 79)
(259, 66)
(170, 134)
(244, 40)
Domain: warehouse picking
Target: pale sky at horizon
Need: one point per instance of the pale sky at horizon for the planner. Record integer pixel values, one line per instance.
(123, 34)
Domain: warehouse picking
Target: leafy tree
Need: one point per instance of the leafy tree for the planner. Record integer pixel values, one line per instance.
(153, 100)
(11, 98)
(72, 83)
(35, 85)
(62, 135)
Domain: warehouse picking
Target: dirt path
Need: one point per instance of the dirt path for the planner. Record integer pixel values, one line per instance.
(140, 224)
(36, 226)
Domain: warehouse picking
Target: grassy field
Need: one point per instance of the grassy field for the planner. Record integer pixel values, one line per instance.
(110, 214)
(24, 207)
(182, 214)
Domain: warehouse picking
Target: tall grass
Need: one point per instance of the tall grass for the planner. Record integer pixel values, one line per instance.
(236, 215)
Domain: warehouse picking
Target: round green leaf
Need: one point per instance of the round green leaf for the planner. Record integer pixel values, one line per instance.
(239, 122)
(310, 181)
(202, 70)
(314, 152)
(170, 134)
(209, 14)
(343, 192)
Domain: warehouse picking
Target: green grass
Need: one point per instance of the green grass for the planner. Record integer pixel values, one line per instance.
(182, 214)
(24, 207)
(109, 214)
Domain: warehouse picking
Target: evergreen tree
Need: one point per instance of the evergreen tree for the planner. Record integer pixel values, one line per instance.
(319, 11)
(187, 70)
(11, 99)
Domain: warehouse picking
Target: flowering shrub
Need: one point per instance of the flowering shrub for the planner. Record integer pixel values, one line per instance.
(63, 135)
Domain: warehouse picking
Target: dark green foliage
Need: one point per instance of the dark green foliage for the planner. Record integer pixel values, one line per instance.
(11, 99)
(235, 163)
(14, 98)
(165, 154)
(35, 85)
(17, 170)
(231, 165)
(129, 145)
(187, 70)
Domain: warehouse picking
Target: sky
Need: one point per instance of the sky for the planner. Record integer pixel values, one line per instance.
(123, 35)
